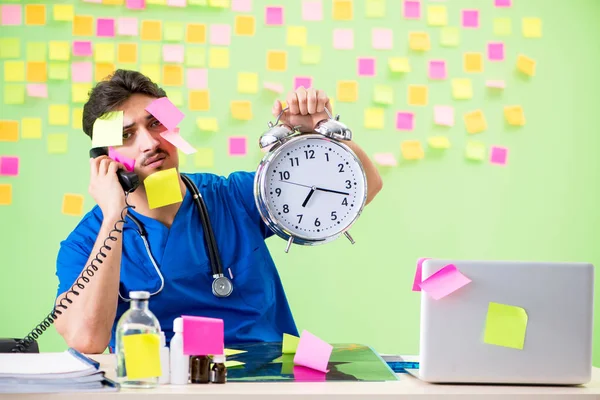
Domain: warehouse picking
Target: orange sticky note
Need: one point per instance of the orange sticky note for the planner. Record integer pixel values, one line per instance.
(151, 30)
(72, 204)
(241, 109)
(475, 121)
(342, 10)
(172, 75)
(5, 194)
(195, 33)
(83, 25)
(412, 150)
(417, 95)
(199, 100)
(9, 131)
(347, 91)
(244, 25)
(526, 65)
(419, 41)
(276, 60)
(162, 188)
(35, 14)
(218, 57)
(127, 53)
(103, 71)
(473, 62)
(36, 72)
(514, 115)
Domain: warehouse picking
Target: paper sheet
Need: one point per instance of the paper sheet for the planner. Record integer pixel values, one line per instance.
(505, 325)
(444, 282)
(498, 155)
(129, 163)
(313, 352)
(418, 275)
(289, 344)
(72, 204)
(108, 130)
(163, 110)
(178, 141)
(443, 115)
(162, 188)
(202, 336)
(142, 355)
(9, 165)
(405, 121)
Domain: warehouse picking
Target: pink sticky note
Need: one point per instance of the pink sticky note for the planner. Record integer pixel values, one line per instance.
(9, 166)
(273, 87)
(136, 4)
(366, 66)
(176, 140)
(202, 336)
(343, 39)
(305, 81)
(412, 9)
(470, 19)
(496, 51)
(498, 84)
(197, 78)
(105, 27)
(443, 115)
(173, 53)
(127, 26)
(241, 5)
(418, 275)
(444, 282)
(312, 352)
(303, 374)
(312, 10)
(163, 110)
(503, 3)
(498, 155)
(177, 3)
(220, 34)
(405, 121)
(81, 71)
(382, 38)
(82, 49)
(385, 159)
(129, 163)
(274, 15)
(37, 90)
(238, 145)
(437, 69)
(11, 14)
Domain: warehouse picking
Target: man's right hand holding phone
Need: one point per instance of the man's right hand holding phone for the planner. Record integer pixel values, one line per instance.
(105, 187)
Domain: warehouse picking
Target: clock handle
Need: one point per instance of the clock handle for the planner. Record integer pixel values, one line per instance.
(289, 244)
(347, 234)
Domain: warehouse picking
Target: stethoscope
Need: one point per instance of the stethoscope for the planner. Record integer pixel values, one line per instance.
(221, 286)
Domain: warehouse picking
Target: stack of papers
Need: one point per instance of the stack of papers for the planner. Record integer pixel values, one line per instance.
(51, 373)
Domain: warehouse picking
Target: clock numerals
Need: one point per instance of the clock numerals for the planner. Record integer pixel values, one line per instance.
(327, 156)
(348, 184)
(309, 154)
(341, 167)
(333, 216)
(317, 222)
(286, 208)
(300, 218)
(295, 161)
(284, 175)
(278, 191)
(345, 202)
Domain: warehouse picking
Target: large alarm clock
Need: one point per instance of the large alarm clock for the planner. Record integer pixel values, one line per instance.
(309, 187)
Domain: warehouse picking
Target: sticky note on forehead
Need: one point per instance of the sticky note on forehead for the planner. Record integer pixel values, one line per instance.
(162, 188)
(108, 130)
(202, 336)
(163, 110)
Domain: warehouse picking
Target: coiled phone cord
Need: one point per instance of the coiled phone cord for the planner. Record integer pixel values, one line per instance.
(79, 284)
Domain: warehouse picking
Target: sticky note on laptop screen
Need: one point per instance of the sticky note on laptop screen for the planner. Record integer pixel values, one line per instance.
(444, 282)
(142, 357)
(505, 326)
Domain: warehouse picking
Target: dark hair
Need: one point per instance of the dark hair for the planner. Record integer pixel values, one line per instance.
(114, 91)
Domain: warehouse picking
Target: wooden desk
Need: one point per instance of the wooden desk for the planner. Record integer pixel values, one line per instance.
(405, 388)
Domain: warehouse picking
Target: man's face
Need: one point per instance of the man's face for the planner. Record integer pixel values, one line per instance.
(142, 140)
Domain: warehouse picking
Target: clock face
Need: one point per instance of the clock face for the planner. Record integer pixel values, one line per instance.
(314, 187)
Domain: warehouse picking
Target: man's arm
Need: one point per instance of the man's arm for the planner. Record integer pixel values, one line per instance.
(374, 181)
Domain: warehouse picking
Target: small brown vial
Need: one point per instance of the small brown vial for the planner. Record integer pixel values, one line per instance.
(200, 369)
(219, 370)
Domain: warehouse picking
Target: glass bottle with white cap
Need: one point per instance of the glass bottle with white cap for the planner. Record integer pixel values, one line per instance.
(138, 320)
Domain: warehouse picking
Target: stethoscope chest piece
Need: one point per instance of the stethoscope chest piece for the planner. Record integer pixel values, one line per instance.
(222, 286)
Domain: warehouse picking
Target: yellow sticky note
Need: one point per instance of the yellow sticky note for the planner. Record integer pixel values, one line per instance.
(342, 10)
(9, 131)
(233, 352)
(72, 204)
(219, 3)
(195, 56)
(58, 114)
(241, 109)
(151, 30)
(172, 75)
(195, 33)
(83, 25)
(77, 120)
(462, 89)
(310, 55)
(247, 82)
(35, 14)
(276, 60)
(104, 52)
(127, 53)
(399, 64)
(14, 71)
(532, 27)
(449, 36)
(473, 62)
(36, 71)
(438, 142)
(31, 128)
(412, 150)
(151, 53)
(419, 41)
(63, 12)
(199, 100)
(374, 118)
(103, 71)
(174, 31)
(505, 326)
(502, 26)
(142, 351)
(218, 57)
(207, 124)
(244, 25)
(108, 130)
(59, 50)
(514, 115)
(383, 94)
(162, 188)
(176, 96)
(57, 143)
(437, 15)
(375, 8)
(113, 2)
(526, 65)
(233, 364)
(152, 71)
(58, 71)
(347, 91)
(204, 158)
(475, 150)
(36, 51)
(80, 92)
(296, 36)
(10, 47)
(5, 194)
(417, 95)
(475, 122)
(289, 344)
(14, 93)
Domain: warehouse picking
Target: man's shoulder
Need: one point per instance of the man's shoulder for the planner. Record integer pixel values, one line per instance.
(88, 226)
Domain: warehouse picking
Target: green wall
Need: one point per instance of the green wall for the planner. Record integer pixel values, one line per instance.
(542, 206)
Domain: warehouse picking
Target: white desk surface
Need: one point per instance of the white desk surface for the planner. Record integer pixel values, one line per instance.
(405, 388)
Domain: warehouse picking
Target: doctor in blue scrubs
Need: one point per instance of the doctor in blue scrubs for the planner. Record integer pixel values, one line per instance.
(175, 267)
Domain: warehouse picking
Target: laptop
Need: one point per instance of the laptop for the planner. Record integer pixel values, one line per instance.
(547, 308)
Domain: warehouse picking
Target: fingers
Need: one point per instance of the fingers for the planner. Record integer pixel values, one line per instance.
(292, 102)
(311, 101)
(114, 166)
(95, 165)
(276, 110)
(302, 100)
(322, 101)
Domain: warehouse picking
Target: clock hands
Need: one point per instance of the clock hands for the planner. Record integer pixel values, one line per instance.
(313, 189)
(332, 191)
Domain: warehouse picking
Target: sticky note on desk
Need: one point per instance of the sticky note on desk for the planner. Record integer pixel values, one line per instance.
(178, 141)
(108, 130)
(233, 364)
(142, 357)
(163, 110)
(312, 352)
(444, 282)
(505, 326)
(289, 344)
(162, 189)
(233, 352)
(202, 336)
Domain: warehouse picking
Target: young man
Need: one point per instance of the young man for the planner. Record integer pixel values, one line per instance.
(174, 267)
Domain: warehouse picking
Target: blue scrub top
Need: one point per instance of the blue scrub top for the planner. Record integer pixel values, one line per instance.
(257, 310)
